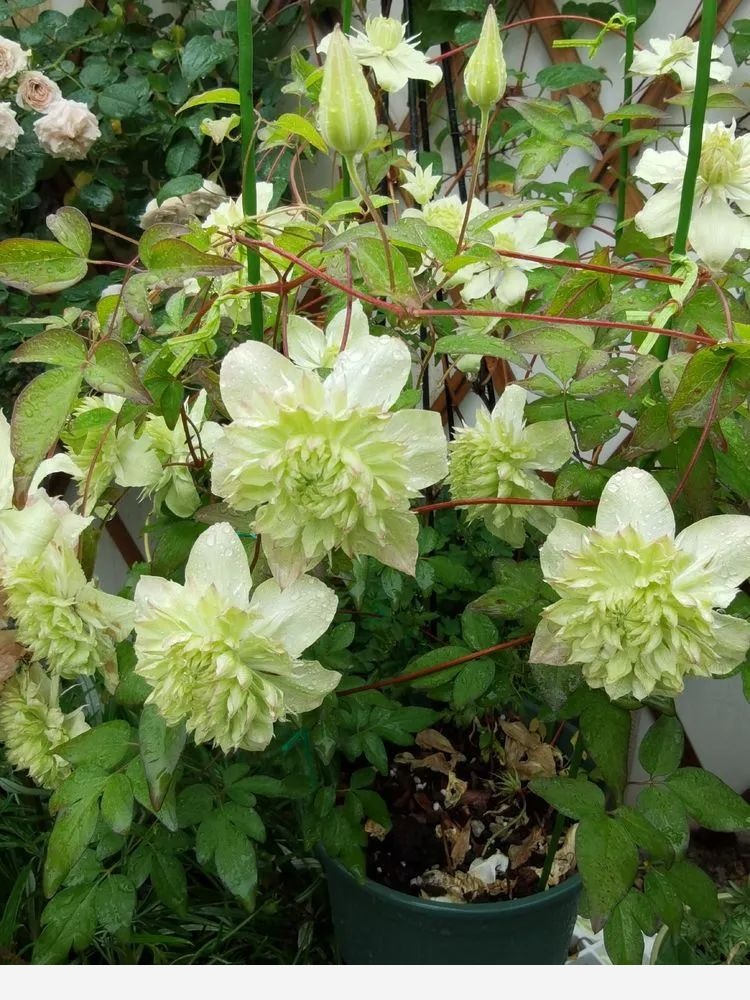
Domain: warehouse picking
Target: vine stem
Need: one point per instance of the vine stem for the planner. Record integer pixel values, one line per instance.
(376, 218)
(627, 93)
(695, 146)
(484, 124)
(416, 674)
(512, 501)
(247, 125)
(710, 418)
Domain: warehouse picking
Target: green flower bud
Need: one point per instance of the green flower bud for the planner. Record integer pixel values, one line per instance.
(486, 77)
(346, 115)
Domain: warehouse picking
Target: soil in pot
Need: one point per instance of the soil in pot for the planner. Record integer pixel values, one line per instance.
(466, 827)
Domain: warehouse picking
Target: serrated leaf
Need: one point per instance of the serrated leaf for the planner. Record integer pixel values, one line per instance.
(71, 228)
(73, 829)
(68, 919)
(39, 266)
(41, 409)
(55, 346)
(111, 370)
(175, 260)
(115, 902)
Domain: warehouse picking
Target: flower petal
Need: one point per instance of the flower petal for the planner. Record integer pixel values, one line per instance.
(7, 463)
(306, 686)
(716, 232)
(359, 328)
(546, 648)
(297, 615)
(370, 374)
(666, 167)
(633, 497)
(425, 448)
(722, 544)
(565, 539)
(250, 376)
(306, 342)
(509, 408)
(218, 559)
(550, 444)
(658, 217)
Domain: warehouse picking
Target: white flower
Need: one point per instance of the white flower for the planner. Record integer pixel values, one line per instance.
(32, 726)
(322, 463)
(231, 215)
(13, 59)
(446, 213)
(637, 604)
(9, 129)
(230, 667)
(173, 483)
(178, 210)
(679, 55)
(505, 277)
(68, 130)
(36, 92)
(220, 129)
(310, 348)
(501, 457)
(420, 182)
(393, 58)
(723, 179)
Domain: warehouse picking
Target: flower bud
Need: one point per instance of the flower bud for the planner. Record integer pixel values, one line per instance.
(486, 77)
(346, 115)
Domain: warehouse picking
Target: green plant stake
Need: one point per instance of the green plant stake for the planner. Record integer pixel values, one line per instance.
(247, 116)
(627, 93)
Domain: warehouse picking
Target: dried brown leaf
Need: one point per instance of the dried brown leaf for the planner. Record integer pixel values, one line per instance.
(373, 829)
(431, 739)
(459, 838)
(454, 790)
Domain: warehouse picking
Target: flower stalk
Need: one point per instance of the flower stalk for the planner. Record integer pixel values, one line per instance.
(247, 120)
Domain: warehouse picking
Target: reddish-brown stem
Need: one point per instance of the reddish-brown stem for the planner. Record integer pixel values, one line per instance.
(416, 674)
(666, 279)
(513, 501)
(710, 418)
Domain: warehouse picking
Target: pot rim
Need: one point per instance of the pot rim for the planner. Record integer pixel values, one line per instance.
(570, 886)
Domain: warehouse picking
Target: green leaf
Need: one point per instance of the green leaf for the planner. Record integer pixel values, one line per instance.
(623, 937)
(695, 889)
(202, 54)
(71, 228)
(606, 732)
(575, 798)
(182, 156)
(161, 747)
(114, 902)
(566, 75)
(472, 681)
(39, 266)
(111, 370)
(117, 803)
(374, 807)
(194, 803)
(220, 95)
(297, 125)
(104, 746)
(374, 750)
(68, 920)
(663, 897)
(709, 801)
(175, 260)
(246, 820)
(662, 747)
(478, 630)
(170, 882)
(41, 409)
(608, 863)
(665, 811)
(174, 189)
(73, 829)
(126, 100)
(55, 346)
(645, 834)
(477, 343)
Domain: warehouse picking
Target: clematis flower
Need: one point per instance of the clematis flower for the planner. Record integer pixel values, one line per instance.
(393, 58)
(171, 477)
(231, 215)
(226, 665)
(446, 213)
(100, 454)
(716, 231)
(637, 605)
(310, 348)
(33, 726)
(323, 464)
(420, 182)
(505, 277)
(62, 617)
(678, 55)
(501, 457)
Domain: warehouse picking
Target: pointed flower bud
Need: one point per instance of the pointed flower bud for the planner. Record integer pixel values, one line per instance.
(486, 77)
(346, 115)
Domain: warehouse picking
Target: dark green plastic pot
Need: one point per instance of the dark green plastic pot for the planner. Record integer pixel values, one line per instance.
(378, 926)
